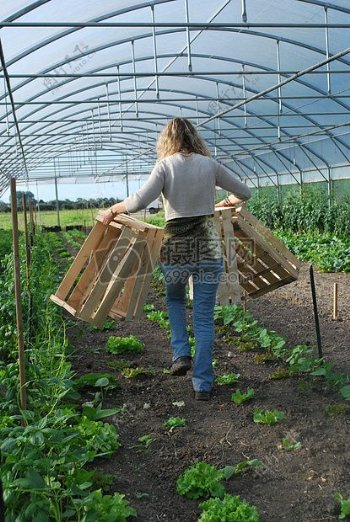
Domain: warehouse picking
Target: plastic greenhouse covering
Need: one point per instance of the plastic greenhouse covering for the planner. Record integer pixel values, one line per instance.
(86, 86)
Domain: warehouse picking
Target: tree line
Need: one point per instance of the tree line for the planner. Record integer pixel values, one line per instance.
(64, 204)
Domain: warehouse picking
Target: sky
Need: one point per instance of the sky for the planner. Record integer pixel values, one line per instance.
(72, 191)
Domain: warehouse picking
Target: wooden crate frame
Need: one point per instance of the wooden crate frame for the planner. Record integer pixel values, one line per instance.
(112, 271)
(229, 291)
(263, 263)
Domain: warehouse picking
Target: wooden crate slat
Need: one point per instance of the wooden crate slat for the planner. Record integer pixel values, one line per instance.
(88, 277)
(129, 221)
(267, 234)
(250, 232)
(101, 285)
(117, 282)
(125, 301)
(263, 260)
(269, 288)
(91, 243)
(63, 304)
(232, 291)
(145, 281)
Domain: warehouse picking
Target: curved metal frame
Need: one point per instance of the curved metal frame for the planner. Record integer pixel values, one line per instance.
(269, 148)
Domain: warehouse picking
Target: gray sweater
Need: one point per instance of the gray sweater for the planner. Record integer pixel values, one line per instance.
(187, 184)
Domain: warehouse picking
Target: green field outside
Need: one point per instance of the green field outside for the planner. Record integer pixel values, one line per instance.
(85, 217)
(48, 218)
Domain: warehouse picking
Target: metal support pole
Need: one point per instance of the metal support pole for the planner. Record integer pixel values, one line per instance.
(244, 96)
(32, 223)
(218, 106)
(189, 58)
(317, 322)
(327, 51)
(18, 297)
(109, 113)
(155, 59)
(126, 178)
(134, 71)
(120, 101)
(244, 12)
(57, 203)
(26, 237)
(38, 203)
(329, 186)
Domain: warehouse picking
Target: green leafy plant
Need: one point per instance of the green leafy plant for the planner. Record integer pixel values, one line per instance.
(108, 508)
(97, 380)
(120, 364)
(144, 442)
(174, 422)
(282, 373)
(289, 444)
(227, 378)
(335, 409)
(344, 506)
(238, 397)
(148, 308)
(117, 345)
(133, 373)
(229, 508)
(201, 480)
(98, 413)
(345, 392)
(109, 324)
(269, 417)
(160, 317)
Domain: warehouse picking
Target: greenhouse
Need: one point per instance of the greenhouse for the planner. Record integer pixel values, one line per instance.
(126, 395)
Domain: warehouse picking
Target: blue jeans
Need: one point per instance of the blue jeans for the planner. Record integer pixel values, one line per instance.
(206, 279)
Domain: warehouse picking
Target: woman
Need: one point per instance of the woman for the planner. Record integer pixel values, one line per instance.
(186, 176)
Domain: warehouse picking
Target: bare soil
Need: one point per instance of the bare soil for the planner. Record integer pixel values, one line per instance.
(293, 486)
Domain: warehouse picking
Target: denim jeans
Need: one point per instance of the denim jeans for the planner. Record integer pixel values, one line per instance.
(206, 279)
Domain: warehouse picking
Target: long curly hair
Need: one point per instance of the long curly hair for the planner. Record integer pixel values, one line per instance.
(180, 134)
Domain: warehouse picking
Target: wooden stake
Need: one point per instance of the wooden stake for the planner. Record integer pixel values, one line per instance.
(19, 316)
(244, 300)
(335, 302)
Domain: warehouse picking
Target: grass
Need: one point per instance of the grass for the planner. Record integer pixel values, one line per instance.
(84, 216)
(48, 218)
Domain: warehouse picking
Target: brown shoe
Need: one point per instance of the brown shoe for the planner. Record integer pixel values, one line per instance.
(202, 395)
(181, 366)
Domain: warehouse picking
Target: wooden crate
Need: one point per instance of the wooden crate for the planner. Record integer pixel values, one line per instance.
(263, 263)
(112, 271)
(229, 291)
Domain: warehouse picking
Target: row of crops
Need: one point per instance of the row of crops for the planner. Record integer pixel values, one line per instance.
(45, 449)
(312, 227)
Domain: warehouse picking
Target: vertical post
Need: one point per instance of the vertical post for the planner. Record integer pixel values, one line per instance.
(32, 223)
(19, 315)
(38, 205)
(189, 58)
(244, 11)
(245, 300)
(26, 237)
(335, 302)
(57, 204)
(329, 186)
(155, 52)
(329, 88)
(134, 71)
(317, 322)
